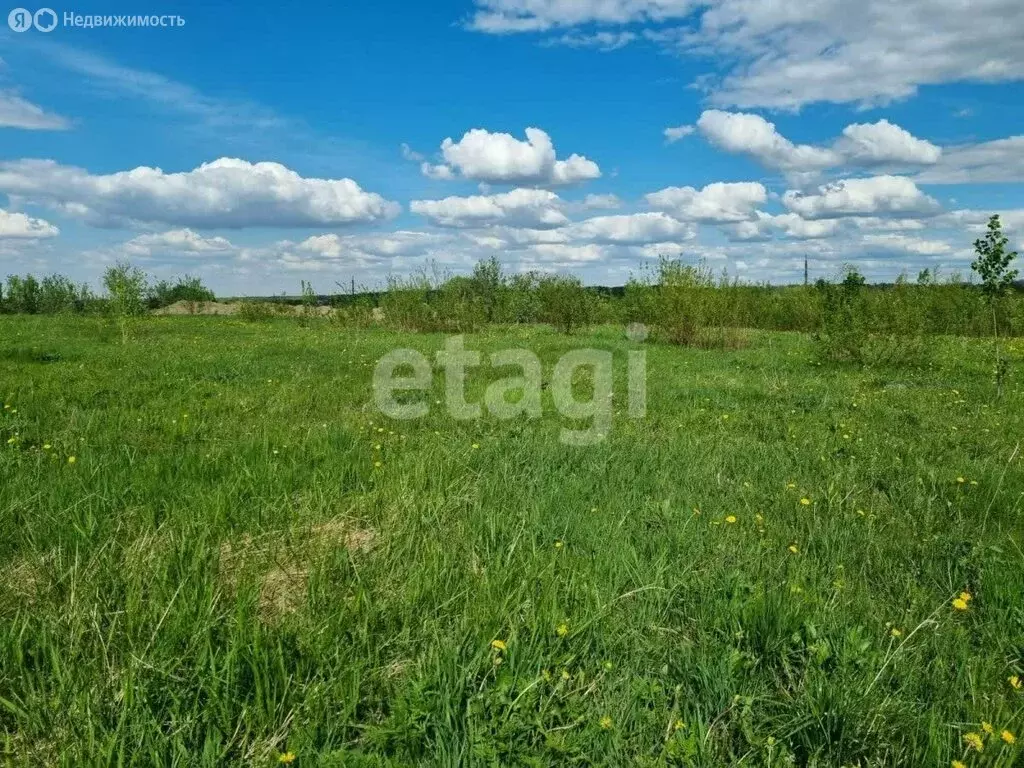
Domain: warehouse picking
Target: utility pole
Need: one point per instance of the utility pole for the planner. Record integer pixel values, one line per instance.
(807, 280)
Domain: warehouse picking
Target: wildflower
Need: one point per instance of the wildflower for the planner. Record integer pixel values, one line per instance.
(791, 486)
(559, 544)
(730, 519)
(897, 633)
(794, 549)
(47, 446)
(287, 758)
(376, 447)
(959, 604)
(606, 723)
(608, 665)
(377, 464)
(958, 764)
(961, 480)
(987, 728)
(72, 459)
(1008, 737)
(499, 645)
(973, 740)
(1015, 682)
(805, 501)
(475, 446)
(12, 441)
(565, 674)
(562, 630)
(965, 596)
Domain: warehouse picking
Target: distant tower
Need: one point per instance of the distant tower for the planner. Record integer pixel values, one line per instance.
(807, 280)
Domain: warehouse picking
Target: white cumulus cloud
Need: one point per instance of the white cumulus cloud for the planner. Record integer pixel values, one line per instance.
(874, 196)
(20, 226)
(501, 158)
(226, 193)
(519, 207)
(720, 202)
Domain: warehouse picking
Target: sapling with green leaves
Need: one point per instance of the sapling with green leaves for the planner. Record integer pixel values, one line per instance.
(993, 267)
(126, 286)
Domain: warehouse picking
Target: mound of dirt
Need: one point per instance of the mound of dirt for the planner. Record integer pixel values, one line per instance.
(198, 308)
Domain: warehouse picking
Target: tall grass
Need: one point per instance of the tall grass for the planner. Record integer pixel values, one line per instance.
(244, 561)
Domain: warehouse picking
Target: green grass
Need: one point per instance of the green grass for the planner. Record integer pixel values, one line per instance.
(224, 574)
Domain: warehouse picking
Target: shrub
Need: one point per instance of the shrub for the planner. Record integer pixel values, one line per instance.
(256, 311)
(187, 288)
(843, 332)
(564, 302)
(23, 294)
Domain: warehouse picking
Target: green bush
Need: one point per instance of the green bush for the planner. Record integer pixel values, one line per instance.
(187, 288)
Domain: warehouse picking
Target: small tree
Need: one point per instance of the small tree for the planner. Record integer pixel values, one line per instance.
(126, 286)
(993, 267)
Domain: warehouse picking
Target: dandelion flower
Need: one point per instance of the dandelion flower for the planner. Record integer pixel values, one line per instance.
(562, 630)
(377, 464)
(287, 758)
(475, 446)
(987, 727)
(499, 645)
(72, 459)
(791, 486)
(559, 544)
(805, 501)
(973, 740)
(958, 764)
(1008, 737)
(730, 519)
(959, 604)
(897, 633)
(606, 723)
(961, 480)
(1015, 682)
(794, 549)
(47, 446)
(966, 597)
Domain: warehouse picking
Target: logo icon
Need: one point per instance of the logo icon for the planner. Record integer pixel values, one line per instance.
(20, 20)
(45, 20)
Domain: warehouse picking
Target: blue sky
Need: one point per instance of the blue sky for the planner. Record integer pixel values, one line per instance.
(339, 141)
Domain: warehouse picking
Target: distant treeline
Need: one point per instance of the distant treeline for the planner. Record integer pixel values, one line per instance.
(57, 294)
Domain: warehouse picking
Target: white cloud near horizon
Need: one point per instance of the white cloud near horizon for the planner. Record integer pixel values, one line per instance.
(226, 193)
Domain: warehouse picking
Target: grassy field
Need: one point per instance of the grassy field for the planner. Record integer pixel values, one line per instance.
(214, 551)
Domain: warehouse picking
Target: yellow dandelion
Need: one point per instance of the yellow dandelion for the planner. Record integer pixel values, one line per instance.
(805, 501)
(1015, 682)
(794, 549)
(791, 486)
(973, 741)
(730, 519)
(966, 597)
(475, 446)
(72, 459)
(287, 758)
(958, 764)
(377, 464)
(47, 446)
(987, 727)
(12, 441)
(499, 645)
(897, 633)
(606, 723)
(562, 630)
(559, 544)
(1008, 737)
(961, 480)
(960, 604)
